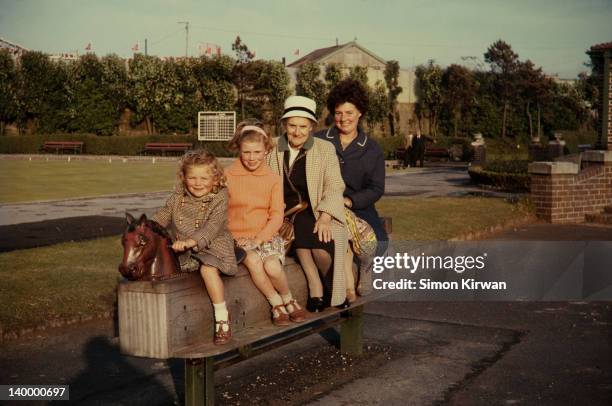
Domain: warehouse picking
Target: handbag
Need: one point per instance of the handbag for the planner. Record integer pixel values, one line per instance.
(362, 235)
(286, 230)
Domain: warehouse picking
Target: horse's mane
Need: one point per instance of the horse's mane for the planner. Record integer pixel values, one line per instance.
(154, 226)
(159, 229)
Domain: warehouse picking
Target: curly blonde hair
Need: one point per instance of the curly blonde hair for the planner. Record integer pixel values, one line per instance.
(241, 134)
(202, 157)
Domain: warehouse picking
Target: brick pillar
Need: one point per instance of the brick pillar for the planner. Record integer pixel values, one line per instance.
(551, 191)
(480, 152)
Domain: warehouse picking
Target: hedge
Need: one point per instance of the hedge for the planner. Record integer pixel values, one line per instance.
(104, 145)
(507, 175)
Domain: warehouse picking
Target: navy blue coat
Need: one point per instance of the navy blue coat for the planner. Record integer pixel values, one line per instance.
(362, 164)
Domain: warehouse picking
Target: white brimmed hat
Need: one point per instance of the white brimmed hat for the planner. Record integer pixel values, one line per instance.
(300, 106)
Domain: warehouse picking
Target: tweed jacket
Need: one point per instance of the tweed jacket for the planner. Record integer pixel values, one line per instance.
(204, 220)
(325, 188)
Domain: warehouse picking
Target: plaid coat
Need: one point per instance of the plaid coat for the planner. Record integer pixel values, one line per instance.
(182, 212)
(325, 189)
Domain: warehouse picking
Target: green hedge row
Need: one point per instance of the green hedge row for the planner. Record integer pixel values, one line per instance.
(104, 145)
(505, 175)
(134, 144)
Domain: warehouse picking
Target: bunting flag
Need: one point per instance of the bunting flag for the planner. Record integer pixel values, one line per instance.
(88, 46)
(296, 52)
(135, 47)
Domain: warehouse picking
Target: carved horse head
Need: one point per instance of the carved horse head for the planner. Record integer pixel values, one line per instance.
(147, 252)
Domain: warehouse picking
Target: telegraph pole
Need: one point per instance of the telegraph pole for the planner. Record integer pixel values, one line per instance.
(146, 47)
(186, 37)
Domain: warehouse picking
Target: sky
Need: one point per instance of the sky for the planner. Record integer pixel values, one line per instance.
(554, 34)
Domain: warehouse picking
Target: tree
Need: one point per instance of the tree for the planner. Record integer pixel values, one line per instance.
(459, 93)
(309, 84)
(275, 81)
(8, 87)
(378, 107)
(394, 89)
(429, 94)
(153, 87)
(504, 62)
(360, 74)
(214, 81)
(43, 94)
(333, 75)
(244, 57)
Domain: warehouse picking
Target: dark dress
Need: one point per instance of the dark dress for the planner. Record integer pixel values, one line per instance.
(304, 221)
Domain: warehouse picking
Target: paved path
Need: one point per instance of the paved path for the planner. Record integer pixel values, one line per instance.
(413, 182)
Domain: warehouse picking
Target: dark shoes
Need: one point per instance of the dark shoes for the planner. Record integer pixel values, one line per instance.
(315, 304)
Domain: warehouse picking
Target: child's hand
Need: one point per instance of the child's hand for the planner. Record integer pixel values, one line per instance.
(182, 245)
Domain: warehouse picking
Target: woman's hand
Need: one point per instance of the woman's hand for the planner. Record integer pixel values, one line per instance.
(323, 228)
(182, 245)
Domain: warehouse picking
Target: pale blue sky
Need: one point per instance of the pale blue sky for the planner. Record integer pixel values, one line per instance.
(554, 34)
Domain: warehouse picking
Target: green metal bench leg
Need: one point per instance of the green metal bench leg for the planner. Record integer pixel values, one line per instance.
(199, 382)
(351, 332)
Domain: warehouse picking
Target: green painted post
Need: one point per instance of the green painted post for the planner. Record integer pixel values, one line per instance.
(199, 382)
(351, 332)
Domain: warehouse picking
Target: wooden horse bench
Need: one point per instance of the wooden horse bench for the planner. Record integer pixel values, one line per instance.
(173, 318)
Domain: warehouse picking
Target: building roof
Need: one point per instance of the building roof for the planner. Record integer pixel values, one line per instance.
(601, 47)
(319, 54)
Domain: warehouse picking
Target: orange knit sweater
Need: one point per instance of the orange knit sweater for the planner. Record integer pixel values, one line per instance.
(256, 207)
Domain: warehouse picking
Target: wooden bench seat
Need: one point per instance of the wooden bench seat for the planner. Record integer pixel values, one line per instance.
(174, 319)
(58, 146)
(164, 147)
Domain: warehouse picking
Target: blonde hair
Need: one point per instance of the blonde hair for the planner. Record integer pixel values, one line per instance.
(244, 133)
(206, 158)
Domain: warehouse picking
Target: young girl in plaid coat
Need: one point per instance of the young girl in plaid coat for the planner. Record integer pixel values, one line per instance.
(196, 214)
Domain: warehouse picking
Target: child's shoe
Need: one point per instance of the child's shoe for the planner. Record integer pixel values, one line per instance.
(280, 317)
(296, 313)
(222, 336)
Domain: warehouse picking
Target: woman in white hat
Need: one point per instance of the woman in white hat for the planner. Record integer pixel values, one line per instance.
(311, 173)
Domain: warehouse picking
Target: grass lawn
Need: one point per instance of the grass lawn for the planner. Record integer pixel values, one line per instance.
(24, 180)
(69, 280)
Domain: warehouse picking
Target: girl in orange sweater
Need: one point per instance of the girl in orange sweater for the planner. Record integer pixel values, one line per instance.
(255, 214)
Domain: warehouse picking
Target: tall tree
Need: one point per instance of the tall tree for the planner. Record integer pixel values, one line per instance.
(429, 94)
(8, 87)
(504, 62)
(214, 80)
(244, 57)
(378, 107)
(309, 84)
(333, 75)
(459, 93)
(393, 91)
(275, 80)
(43, 94)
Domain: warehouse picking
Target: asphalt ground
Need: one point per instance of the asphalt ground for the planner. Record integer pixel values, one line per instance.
(416, 353)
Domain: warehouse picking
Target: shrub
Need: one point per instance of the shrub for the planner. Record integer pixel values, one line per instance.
(100, 145)
(506, 175)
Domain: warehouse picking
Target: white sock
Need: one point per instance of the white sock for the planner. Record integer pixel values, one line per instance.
(275, 300)
(288, 298)
(221, 314)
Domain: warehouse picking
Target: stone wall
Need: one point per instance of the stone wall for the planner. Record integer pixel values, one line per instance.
(564, 193)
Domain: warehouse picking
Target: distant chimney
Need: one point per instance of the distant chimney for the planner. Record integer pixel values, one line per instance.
(284, 64)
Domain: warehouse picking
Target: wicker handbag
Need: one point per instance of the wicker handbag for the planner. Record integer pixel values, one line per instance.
(286, 231)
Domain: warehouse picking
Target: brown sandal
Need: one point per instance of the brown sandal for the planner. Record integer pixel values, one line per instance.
(279, 317)
(222, 337)
(298, 314)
